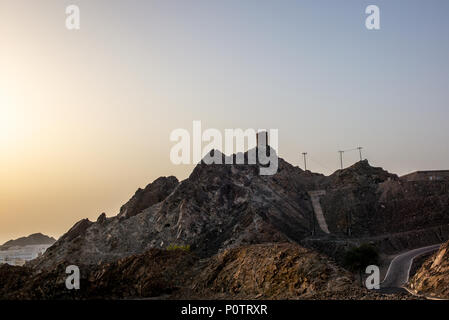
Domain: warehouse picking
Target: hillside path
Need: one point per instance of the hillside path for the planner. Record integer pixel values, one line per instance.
(315, 197)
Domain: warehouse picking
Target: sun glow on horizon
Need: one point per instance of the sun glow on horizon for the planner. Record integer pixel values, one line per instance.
(9, 120)
(86, 115)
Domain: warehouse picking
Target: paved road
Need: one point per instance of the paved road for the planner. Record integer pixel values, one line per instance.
(399, 269)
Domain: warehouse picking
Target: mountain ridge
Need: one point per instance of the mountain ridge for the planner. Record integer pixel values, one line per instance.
(226, 206)
(32, 239)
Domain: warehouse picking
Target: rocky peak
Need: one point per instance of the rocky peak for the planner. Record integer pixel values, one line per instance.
(102, 218)
(360, 173)
(153, 193)
(77, 231)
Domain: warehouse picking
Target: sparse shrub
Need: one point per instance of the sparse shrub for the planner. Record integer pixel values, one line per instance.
(179, 247)
(358, 258)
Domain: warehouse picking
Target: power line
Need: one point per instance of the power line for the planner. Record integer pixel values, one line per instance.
(360, 151)
(341, 157)
(341, 152)
(305, 162)
(320, 164)
(347, 150)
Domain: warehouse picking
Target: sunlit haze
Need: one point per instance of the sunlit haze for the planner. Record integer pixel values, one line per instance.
(85, 116)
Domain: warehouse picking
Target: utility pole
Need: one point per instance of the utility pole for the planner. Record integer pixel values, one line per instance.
(305, 162)
(360, 152)
(341, 158)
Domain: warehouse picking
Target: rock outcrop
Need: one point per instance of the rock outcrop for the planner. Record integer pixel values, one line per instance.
(144, 198)
(278, 271)
(362, 201)
(432, 279)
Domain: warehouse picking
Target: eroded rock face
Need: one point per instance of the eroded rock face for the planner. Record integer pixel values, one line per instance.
(362, 201)
(279, 271)
(432, 279)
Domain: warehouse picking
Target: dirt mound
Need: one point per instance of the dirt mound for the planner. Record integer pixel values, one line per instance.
(432, 279)
(151, 274)
(276, 271)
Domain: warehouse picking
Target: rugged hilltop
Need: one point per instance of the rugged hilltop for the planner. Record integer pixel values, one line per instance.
(217, 207)
(366, 201)
(33, 239)
(221, 207)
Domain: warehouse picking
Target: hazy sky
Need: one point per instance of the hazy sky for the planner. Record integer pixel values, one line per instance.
(85, 116)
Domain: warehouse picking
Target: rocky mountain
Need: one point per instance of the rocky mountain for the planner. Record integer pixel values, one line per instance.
(218, 206)
(241, 235)
(363, 201)
(222, 207)
(432, 279)
(33, 239)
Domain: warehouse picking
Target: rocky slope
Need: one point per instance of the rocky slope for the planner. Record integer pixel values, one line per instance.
(226, 206)
(33, 239)
(278, 271)
(432, 279)
(268, 271)
(218, 206)
(362, 201)
(144, 198)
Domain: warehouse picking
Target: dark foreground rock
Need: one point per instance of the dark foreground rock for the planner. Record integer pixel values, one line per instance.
(432, 279)
(269, 271)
